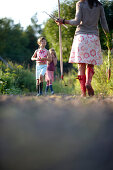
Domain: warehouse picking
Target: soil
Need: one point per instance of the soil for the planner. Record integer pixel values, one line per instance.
(56, 132)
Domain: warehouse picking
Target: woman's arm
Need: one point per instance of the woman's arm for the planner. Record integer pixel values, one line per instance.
(78, 17)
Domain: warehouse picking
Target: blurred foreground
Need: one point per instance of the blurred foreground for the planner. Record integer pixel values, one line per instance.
(56, 133)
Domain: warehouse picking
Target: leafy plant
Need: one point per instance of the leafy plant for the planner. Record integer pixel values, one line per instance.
(17, 80)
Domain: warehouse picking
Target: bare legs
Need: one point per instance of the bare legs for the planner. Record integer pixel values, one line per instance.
(81, 68)
(39, 85)
(49, 85)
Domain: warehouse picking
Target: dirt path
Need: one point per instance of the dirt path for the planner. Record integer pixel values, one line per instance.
(59, 100)
(56, 132)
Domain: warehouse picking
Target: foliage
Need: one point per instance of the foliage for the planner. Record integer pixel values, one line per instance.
(16, 81)
(109, 41)
(16, 44)
(100, 81)
(108, 8)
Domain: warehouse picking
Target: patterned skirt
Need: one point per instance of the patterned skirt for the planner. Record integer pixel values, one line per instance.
(86, 49)
(49, 75)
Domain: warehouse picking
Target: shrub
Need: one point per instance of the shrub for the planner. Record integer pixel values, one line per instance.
(16, 80)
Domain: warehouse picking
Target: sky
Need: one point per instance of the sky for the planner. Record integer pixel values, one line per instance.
(21, 11)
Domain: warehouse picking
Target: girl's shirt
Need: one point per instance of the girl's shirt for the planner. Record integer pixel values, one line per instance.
(41, 53)
(51, 66)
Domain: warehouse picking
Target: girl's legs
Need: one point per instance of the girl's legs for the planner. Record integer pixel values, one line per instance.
(51, 88)
(40, 84)
(37, 85)
(89, 75)
(47, 86)
(82, 78)
(40, 72)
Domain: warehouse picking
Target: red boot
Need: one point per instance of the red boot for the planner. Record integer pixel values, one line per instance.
(82, 80)
(89, 75)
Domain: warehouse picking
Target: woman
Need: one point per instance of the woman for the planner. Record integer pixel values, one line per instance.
(86, 49)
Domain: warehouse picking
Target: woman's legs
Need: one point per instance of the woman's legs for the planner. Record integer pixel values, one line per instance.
(82, 78)
(89, 75)
(81, 68)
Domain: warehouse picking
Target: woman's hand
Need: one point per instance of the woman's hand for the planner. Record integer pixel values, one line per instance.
(59, 21)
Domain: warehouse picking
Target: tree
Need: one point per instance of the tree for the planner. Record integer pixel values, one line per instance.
(17, 44)
(108, 8)
(13, 41)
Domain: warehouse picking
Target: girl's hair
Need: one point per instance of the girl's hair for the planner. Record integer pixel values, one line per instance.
(92, 2)
(40, 39)
(52, 50)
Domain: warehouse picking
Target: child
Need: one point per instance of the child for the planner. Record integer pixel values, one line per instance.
(41, 55)
(49, 76)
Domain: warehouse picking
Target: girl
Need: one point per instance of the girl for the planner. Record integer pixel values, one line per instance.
(86, 49)
(41, 55)
(49, 76)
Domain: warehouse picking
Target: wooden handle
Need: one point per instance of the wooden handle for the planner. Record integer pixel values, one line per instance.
(60, 43)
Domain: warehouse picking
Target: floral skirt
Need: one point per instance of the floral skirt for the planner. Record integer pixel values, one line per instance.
(86, 49)
(49, 75)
